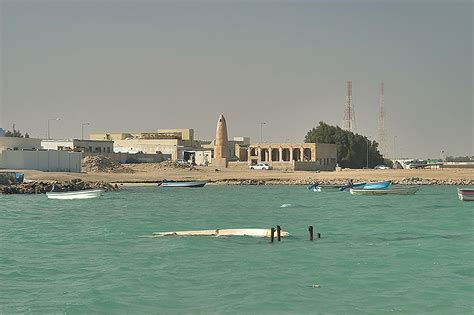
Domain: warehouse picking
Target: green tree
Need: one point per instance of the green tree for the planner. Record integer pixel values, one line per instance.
(351, 148)
(16, 134)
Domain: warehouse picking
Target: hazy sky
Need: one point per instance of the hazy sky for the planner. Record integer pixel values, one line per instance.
(144, 65)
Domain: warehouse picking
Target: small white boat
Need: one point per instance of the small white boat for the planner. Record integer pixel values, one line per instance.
(193, 183)
(221, 232)
(81, 194)
(394, 190)
(466, 194)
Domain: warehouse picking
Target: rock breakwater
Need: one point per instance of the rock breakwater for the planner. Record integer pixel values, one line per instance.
(41, 187)
(343, 181)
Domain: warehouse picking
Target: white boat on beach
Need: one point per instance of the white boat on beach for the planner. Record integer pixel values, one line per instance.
(394, 190)
(466, 194)
(81, 194)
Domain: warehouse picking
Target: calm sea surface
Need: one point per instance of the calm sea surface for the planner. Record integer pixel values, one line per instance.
(383, 254)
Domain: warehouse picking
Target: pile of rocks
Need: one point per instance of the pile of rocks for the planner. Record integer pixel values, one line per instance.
(44, 187)
(429, 181)
(343, 181)
(103, 164)
(173, 164)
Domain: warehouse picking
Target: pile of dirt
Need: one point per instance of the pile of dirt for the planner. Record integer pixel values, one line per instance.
(103, 164)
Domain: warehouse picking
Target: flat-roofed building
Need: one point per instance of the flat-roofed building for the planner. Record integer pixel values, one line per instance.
(185, 134)
(89, 146)
(15, 143)
(171, 142)
(303, 156)
(151, 146)
(111, 136)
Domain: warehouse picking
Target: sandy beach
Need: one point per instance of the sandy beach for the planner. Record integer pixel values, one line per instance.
(241, 174)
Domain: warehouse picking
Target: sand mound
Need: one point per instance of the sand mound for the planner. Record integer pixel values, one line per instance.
(103, 164)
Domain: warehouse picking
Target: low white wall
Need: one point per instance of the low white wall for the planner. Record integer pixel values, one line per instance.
(48, 161)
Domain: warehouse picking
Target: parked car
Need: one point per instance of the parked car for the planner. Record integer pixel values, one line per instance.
(382, 167)
(261, 166)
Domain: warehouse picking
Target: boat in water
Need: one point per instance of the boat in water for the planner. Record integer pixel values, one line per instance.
(466, 194)
(394, 190)
(333, 188)
(191, 184)
(376, 185)
(81, 194)
(221, 232)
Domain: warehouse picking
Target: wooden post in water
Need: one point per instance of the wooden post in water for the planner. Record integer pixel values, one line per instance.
(310, 229)
(279, 233)
(319, 235)
(272, 234)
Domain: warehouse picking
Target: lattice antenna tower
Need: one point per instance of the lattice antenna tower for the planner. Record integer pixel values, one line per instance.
(382, 129)
(349, 115)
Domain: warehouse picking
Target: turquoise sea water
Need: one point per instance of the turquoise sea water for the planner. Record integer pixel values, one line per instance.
(382, 254)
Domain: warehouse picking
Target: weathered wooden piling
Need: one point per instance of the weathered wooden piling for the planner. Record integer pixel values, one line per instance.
(272, 234)
(319, 235)
(310, 229)
(279, 233)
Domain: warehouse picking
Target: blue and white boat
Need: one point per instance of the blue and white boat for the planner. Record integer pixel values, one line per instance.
(377, 185)
(333, 188)
(191, 184)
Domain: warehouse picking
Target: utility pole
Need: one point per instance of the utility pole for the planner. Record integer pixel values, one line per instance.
(394, 148)
(82, 129)
(261, 131)
(56, 119)
(367, 165)
(382, 130)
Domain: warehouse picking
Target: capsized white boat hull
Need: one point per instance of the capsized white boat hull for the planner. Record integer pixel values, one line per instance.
(221, 232)
(394, 190)
(81, 194)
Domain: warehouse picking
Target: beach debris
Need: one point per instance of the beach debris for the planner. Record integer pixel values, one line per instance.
(220, 232)
(103, 164)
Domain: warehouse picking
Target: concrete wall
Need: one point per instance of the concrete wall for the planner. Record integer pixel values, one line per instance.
(326, 154)
(48, 161)
(311, 166)
(151, 146)
(458, 165)
(12, 143)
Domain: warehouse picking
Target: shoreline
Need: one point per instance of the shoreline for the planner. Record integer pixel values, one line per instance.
(150, 174)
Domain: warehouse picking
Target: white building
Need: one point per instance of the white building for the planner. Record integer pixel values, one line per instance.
(89, 146)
